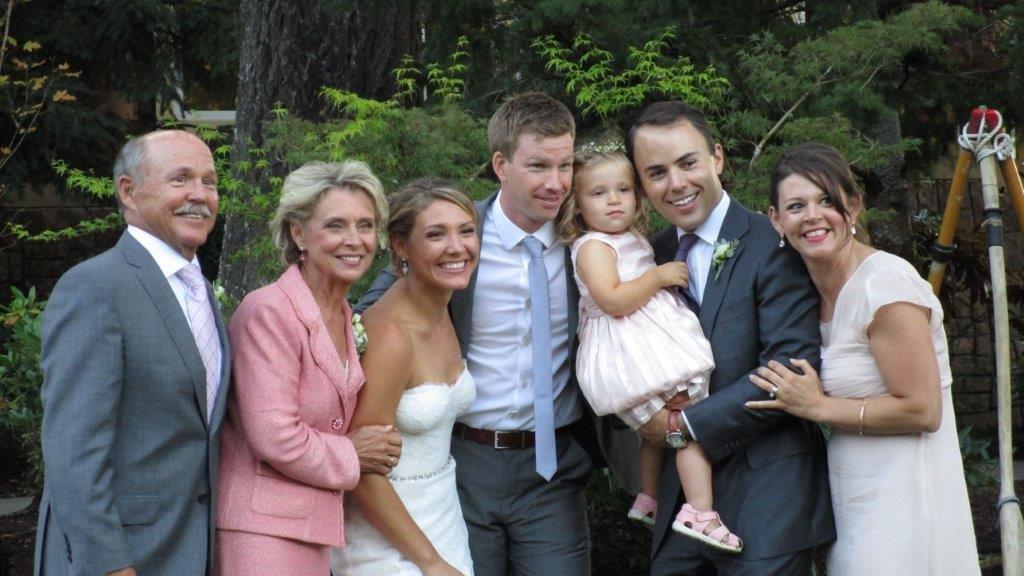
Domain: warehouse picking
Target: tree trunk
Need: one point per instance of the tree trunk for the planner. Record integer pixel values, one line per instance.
(886, 189)
(288, 52)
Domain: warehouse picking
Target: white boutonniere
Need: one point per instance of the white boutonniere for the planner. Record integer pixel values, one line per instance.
(360, 333)
(723, 250)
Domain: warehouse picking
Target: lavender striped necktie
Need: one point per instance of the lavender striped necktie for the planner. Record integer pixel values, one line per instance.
(686, 242)
(204, 330)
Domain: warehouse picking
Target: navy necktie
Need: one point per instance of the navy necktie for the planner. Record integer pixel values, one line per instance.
(686, 242)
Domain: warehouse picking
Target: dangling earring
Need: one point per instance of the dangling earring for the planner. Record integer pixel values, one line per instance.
(302, 254)
(782, 241)
(853, 228)
(403, 266)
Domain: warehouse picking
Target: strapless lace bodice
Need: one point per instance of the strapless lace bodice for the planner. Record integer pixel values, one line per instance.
(424, 418)
(425, 482)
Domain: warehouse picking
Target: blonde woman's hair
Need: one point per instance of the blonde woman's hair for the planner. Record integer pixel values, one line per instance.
(304, 188)
(570, 220)
(415, 197)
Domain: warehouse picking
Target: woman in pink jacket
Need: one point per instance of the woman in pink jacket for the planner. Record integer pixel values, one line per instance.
(287, 454)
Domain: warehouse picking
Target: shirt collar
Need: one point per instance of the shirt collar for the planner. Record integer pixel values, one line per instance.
(511, 235)
(169, 260)
(712, 227)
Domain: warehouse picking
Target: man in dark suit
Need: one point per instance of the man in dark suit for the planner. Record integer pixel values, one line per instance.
(755, 303)
(135, 363)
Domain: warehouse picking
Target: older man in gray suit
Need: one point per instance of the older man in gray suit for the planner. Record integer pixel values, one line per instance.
(135, 364)
(755, 303)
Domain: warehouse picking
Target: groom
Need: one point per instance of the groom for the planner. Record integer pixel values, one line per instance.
(755, 303)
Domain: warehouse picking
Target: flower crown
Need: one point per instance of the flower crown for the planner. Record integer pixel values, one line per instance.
(592, 148)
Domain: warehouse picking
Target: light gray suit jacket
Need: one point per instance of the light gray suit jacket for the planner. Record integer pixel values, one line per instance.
(130, 463)
(611, 439)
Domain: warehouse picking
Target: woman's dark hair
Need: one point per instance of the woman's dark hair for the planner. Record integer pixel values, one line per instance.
(824, 167)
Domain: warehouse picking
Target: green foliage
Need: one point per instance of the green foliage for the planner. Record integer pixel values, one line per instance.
(31, 83)
(21, 408)
(446, 82)
(591, 77)
(978, 465)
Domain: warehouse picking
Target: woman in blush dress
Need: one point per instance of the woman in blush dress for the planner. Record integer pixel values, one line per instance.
(289, 450)
(410, 521)
(895, 470)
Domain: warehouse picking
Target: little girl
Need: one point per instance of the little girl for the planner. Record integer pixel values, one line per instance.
(640, 346)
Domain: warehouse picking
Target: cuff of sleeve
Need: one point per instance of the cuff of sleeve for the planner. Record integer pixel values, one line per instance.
(686, 422)
(351, 472)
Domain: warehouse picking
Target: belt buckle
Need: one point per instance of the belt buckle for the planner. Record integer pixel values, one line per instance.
(497, 439)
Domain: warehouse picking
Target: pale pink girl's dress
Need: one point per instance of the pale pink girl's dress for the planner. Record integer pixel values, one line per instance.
(631, 365)
(900, 500)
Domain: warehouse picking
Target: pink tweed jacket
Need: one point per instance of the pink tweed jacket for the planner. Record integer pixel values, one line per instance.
(285, 460)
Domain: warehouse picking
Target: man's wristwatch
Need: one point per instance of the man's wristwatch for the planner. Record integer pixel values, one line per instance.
(676, 436)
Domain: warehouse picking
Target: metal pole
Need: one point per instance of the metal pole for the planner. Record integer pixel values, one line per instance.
(1010, 523)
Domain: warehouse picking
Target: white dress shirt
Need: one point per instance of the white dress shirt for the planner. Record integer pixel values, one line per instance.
(698, 260)
(500, 356)
(170, 262)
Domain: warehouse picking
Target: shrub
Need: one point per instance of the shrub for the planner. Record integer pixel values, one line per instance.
(21, 409)
(978, 465)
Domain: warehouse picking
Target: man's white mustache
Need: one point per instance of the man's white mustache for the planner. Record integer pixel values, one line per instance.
(194, 209)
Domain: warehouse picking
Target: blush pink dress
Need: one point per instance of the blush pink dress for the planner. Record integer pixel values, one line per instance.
(631, 365)
(900, 500)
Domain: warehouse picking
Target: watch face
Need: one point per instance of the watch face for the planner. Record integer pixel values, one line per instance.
(675, 440)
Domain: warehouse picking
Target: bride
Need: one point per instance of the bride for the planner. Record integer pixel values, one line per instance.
(410, 521)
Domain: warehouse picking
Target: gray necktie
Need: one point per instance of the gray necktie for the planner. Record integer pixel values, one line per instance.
(543, 394)
(686, 242)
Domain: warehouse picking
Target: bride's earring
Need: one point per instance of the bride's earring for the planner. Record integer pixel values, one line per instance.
(782, 241)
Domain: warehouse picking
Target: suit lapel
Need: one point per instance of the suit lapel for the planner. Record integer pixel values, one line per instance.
(167, 306)
(461, 305)
(321, 347)
(735, 226)
(572, 294)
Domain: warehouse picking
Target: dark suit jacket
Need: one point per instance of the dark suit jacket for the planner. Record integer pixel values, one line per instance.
(131, 464)
(770, 472)
(610, 441)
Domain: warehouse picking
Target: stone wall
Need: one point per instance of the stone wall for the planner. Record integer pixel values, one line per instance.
(40, 264)
(969, 315)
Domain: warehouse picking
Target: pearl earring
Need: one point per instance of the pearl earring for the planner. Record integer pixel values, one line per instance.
(302, 254)
(404, 266)
(853, 229)
(782, 241)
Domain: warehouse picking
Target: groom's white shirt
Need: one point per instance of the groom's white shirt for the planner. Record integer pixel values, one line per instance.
(699, 258)
(500, 356)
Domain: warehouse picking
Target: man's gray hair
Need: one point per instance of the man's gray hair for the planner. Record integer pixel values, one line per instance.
(130, 162)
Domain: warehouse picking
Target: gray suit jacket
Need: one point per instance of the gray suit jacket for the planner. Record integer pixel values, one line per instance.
(770, 472)
(618, 445)
(131, 465)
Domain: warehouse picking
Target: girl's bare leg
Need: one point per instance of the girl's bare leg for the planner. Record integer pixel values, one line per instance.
(651, 457)
(695, 474)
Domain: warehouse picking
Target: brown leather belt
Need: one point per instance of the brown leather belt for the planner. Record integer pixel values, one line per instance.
(499, 439)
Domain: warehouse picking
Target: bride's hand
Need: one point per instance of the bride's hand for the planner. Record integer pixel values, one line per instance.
(798, 394)
(378, 448)
(439, 568)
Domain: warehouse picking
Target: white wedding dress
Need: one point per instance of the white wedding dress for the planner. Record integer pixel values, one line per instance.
(424, 480)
